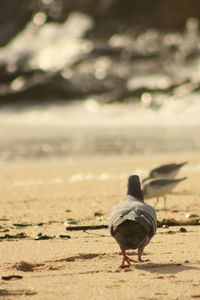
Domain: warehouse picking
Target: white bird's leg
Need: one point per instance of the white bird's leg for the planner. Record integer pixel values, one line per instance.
(165, 203)
(125, 260)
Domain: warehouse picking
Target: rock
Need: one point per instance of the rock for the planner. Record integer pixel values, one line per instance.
(183, 229)
(98, 214)
(41, 236)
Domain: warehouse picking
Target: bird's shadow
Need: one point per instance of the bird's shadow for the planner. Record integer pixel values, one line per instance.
(165, 268)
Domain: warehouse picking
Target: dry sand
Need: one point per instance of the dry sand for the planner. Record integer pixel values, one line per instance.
(86, 266)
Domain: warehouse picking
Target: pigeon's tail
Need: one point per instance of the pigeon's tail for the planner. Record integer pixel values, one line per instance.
(130, 235)
(143, 219)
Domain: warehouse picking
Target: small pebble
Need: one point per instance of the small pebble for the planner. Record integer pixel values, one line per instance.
(63, 236)
(165, 226)
(183, 229)
(71, 221)
(98, 214)
(41, 236)
(40, 224)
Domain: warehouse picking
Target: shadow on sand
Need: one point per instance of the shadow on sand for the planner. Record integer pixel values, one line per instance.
(165, 268)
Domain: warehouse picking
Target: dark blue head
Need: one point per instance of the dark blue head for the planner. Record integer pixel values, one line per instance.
(134, 187)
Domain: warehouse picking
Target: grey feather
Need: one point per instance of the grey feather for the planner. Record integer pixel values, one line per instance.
(159, 187)
(168, 171)
(132, 223)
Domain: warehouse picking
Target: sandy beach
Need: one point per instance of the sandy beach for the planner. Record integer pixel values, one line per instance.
(48, 195)
(90, 95)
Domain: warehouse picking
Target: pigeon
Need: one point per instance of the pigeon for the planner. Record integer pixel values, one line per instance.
(156, 188)
(132, 223)
(168, 171)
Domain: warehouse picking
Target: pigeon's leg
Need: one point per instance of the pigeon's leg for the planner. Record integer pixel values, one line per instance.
(140, 251)
(125, 260)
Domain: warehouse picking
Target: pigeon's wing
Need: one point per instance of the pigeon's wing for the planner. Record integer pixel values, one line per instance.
(134, 211)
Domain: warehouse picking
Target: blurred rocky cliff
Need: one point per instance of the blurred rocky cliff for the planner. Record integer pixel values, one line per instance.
(109, 49)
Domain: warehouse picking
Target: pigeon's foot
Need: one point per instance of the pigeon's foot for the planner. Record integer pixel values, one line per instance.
(143, 260)
(126, 261)
(140, 257)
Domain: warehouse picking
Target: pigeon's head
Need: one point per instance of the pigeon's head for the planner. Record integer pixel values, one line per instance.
(134, 187)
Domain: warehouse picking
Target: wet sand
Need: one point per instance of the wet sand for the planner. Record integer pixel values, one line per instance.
(80, 191)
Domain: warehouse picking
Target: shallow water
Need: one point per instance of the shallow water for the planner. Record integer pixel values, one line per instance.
(88, 128)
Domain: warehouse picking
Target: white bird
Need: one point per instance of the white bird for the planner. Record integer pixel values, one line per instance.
(132, 223)
(156, 188)
(168, 171)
